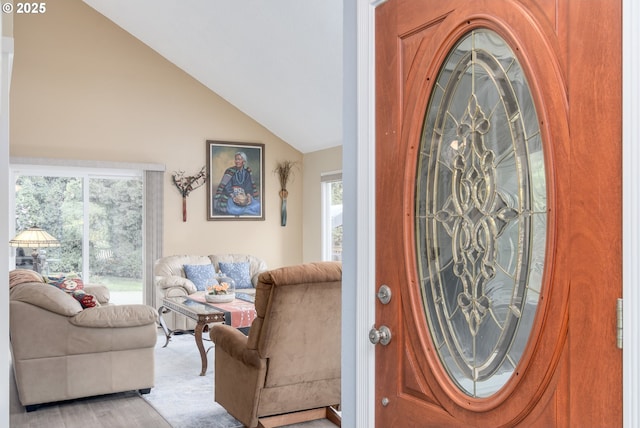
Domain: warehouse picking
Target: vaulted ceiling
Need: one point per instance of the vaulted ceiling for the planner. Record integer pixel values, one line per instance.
(278, 61)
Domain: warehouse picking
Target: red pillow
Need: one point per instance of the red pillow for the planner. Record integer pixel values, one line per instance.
(86, 300)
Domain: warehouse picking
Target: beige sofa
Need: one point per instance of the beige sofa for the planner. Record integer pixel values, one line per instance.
(61, 351)
(170, 279)
(287, 369)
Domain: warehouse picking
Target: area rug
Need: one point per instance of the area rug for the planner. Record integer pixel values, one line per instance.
(181, 395)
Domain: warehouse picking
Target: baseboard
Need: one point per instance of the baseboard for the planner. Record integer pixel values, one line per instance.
(276, 421)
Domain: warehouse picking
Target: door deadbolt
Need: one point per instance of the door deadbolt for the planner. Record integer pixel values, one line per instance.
(384, 294)
(381, 336)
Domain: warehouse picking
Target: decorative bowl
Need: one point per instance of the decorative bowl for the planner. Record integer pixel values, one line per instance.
(220, 298)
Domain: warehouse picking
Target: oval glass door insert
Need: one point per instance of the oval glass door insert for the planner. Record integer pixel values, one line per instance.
(481, 213)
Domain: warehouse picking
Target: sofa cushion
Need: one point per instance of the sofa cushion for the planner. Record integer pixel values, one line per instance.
(50, 298)
(100, 292)
(201, 275)
(116, 316)
(256, 265)
(20, 276)
(239, 272)
(174, 265)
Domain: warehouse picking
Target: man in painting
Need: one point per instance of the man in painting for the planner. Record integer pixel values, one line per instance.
(237, 193)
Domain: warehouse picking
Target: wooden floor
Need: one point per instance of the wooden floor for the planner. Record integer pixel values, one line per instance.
(108, 411)
(116, 410)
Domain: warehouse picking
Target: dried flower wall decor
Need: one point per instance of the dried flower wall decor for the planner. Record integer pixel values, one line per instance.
(284, 171)
(186, 184)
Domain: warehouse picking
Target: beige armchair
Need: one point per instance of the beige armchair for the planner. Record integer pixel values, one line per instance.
(61, 351)
(287, 369)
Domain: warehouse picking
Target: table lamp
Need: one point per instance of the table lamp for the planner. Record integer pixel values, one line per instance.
(34, 237)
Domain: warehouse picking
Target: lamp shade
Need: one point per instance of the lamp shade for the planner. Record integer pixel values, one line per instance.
(34, 237)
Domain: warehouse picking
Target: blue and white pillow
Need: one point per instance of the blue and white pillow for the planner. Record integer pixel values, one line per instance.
(239, 272)
(201, 275)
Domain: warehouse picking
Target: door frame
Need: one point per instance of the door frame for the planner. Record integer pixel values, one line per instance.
(630, 212)
(359, 146)
(358, 180)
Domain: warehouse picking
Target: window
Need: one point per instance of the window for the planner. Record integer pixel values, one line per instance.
(481, 213)
(104, 218)
(332, 216)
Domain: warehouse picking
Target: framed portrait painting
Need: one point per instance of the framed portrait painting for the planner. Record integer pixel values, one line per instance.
(236, 181)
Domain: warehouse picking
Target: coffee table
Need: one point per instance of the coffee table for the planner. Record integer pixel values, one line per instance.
(203, 314)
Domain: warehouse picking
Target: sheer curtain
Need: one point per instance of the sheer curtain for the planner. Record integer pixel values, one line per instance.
(153, 229)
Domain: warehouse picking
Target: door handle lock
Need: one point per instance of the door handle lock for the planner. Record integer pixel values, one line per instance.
(384, 294)
(381, 336)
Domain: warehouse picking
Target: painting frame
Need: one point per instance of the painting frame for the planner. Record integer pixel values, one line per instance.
(235, 192)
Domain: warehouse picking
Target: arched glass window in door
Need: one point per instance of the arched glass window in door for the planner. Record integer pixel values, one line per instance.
(481, 213)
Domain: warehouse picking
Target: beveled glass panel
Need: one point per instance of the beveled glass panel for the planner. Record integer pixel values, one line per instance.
(481, 213)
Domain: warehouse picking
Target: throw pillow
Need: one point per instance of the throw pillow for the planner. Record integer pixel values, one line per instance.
(200, 275)
(20, 276)
(86, 300)
(66, 283)
(239, 272)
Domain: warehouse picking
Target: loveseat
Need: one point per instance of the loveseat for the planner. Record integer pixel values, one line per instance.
(61, 350)
(171, 278)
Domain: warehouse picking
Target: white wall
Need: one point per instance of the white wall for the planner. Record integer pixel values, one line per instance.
(315, 164)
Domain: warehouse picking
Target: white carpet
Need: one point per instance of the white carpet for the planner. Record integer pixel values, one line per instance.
(181, 395)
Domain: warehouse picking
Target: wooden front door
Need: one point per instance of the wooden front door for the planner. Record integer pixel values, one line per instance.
(498, 147)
